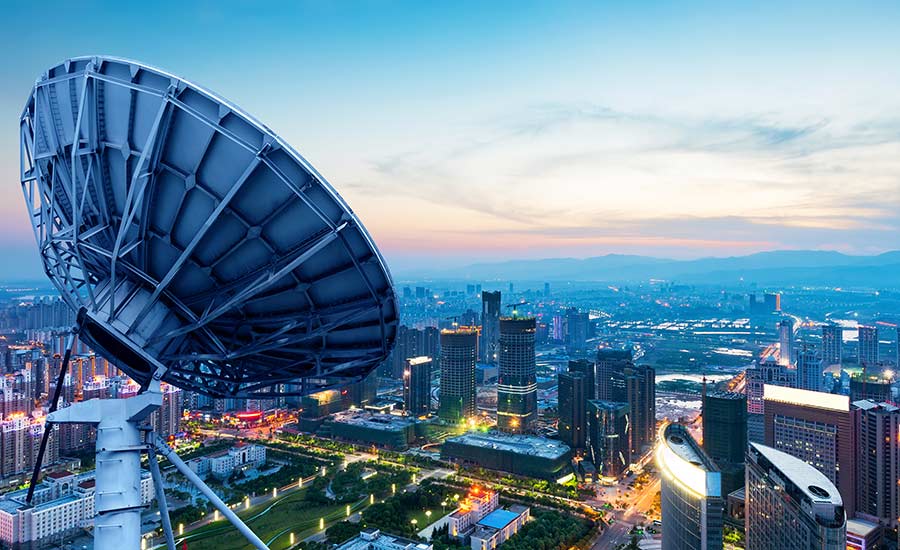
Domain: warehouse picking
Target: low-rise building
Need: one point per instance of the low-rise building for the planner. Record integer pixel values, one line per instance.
(863, 535)
(384, 430)
(477, 504)
(495, 528)
(524, 455)
(63, 503)
(222, 464)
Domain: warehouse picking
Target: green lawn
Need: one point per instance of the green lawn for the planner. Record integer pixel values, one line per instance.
(285, 515)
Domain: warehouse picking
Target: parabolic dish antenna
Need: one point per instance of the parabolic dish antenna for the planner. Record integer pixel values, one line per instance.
(188, 236)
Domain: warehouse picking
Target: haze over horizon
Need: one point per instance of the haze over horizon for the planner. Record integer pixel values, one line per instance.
(718, 130)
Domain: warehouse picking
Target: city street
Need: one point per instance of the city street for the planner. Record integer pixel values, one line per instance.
(618, 532)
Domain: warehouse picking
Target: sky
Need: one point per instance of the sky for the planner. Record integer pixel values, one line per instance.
(465, 132)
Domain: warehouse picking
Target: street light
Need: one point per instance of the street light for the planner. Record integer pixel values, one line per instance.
(428, 514)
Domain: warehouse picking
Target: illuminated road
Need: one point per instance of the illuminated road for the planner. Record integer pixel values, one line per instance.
(618, 532)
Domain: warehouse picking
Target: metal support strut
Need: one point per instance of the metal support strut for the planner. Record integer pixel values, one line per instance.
(168, 453)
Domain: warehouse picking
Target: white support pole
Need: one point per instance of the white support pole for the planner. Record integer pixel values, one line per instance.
(176, 461)
(117, 493)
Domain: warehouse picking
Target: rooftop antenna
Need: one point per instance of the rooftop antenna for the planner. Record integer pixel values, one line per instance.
(198, 249)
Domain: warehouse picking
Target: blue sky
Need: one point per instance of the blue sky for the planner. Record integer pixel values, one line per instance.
(471, 131)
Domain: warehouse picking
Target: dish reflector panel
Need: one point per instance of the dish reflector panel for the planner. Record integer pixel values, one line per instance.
(189, 236)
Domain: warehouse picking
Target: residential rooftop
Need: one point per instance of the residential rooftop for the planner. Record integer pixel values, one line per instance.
(373, 539)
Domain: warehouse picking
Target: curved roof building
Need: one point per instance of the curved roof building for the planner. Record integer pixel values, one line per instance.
(790, 505)
(691, 492)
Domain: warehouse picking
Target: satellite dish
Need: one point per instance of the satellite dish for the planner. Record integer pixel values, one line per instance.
(192, 240)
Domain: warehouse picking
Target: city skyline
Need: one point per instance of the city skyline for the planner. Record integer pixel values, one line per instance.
(652, 129)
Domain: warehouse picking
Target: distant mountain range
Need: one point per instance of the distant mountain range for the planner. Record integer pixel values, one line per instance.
(808, 267)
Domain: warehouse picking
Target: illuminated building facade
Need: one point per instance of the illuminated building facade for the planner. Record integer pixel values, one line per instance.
(810, 370)
(517, 386)
(619, 380)
(786, 342)
(167, 420)
(459, 350)
(490, 326)
(817, 428)
(690, 494)
(789, 505)
(475, 506)
(417, 385)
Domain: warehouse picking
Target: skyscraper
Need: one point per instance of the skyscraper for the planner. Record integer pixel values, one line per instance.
(490, 326)
(166, 420)
(517, 387)
(690, 493)
(417, 385)
(810, 370)
(789, 505)
(586, 367)
(877, 427)
(786, 341)
(610, 366)
(724, 435)
(816, 428)
(573, 399)
(457, 394)
(832, 344)
(868, 346)
(619, 380)
(608, 427)
(576, 331)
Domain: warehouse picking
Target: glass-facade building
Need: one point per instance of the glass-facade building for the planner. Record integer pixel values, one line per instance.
(690, 493)
(459, 351)
(517, 387)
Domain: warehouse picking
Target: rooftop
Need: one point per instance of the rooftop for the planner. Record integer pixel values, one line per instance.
(530, 445)
(373, 539)
(726, 395)
(371, 420)
(860, 527)
(869, 405)
(498, 519)
(806, 398)
(679, 457)
(419, 360)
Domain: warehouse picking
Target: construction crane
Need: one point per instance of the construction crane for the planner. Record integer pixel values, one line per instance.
(514, 306)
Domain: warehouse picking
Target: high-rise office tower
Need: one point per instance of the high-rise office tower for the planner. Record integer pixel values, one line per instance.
(877, 427)
(810, 370)
(690, 493)
(640, 394)
(458, 357)
(576, 331)
(517, 384)
(786, 341)
(868, 346)
(546, 290)
(608, 427)
(586, 367)
(832, 344)
(725, 435)
(772, 302)
(490, 326)
(789, 505)
(573, 399)
(817, 428)
(417, 385)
